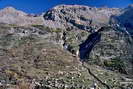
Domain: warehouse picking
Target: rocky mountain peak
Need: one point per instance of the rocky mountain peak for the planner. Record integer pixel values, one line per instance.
(10, 15)
(9, 8)
(58, 7)
(11, 11)
(130, 6)
(80, 16)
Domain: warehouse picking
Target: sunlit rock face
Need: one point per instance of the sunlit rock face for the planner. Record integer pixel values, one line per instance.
(78, 16)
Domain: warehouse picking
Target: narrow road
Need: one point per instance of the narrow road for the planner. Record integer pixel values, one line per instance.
(89, 71)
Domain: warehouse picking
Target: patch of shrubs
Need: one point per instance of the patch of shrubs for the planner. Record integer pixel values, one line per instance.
(48, 29)
(115, 65)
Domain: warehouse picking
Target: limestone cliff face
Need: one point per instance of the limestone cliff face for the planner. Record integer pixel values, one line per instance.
(79, 17)
(70, 16)
(61, 16)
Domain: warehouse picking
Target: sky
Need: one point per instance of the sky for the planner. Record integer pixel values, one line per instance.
(39, 6)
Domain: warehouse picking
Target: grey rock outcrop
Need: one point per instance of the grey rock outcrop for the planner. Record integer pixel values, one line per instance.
(78, 16)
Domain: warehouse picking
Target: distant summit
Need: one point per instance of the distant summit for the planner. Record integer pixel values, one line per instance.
(9, 8)
(11, 15)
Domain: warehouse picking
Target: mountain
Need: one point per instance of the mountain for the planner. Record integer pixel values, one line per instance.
(10, 15)
(113, 20)
(80, 17)
(67, 47)
(126, 17)
(67, 16)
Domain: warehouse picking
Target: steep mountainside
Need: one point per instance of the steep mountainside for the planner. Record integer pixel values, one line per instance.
(35, 54)
(67, 47)
(125, 18)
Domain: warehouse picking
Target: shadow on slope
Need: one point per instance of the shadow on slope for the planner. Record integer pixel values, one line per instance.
(87, 46)
(124, 19)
